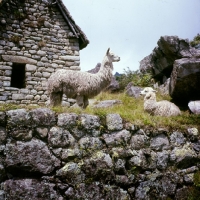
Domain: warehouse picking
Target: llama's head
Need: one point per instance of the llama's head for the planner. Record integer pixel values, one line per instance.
(146, 90)
(150, 96)
(111, 56)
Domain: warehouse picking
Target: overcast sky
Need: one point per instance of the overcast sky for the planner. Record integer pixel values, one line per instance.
(131, 28)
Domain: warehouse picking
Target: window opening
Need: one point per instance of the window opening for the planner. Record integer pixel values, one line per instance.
(18, 75)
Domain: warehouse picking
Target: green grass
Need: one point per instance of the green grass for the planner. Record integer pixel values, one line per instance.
(131, 110)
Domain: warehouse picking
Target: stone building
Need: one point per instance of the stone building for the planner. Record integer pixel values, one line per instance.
(36, 38)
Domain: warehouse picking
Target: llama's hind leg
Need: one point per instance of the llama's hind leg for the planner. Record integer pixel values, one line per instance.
(86, 102)
(56, 98)
(80, 101)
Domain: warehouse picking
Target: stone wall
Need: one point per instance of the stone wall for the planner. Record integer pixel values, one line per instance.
(44, 155)
(36, 37)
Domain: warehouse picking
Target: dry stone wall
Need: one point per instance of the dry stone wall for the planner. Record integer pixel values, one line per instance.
(36, 40)
(44, 155)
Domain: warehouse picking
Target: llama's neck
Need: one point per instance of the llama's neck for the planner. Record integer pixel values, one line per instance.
(105, 71)
(150, 105)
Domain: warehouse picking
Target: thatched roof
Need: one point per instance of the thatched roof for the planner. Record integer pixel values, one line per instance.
(83, 41)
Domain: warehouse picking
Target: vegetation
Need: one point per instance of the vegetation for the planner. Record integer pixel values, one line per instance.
(195, 41)
(131, 110)
(136, 77)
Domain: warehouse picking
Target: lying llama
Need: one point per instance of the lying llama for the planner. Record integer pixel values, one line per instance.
(161, 108)
(81, 85)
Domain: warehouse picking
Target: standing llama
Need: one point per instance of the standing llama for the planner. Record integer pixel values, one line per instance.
(81, 85)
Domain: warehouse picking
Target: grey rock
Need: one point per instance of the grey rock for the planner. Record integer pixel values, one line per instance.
(90, 143)
(193, 133)
(119, 166)
(18, 118)
(139, 141)
(69, 154)
(114, 85)
(2, 174)
(177, 138)
(194, 107)
(120, 138)
(114, 122)
(2, 118)
(24, 135)
(184, 80)
(59, 137)
(163, 88)
(68, 120)
(99, 165)
(33, 156)
(159, 142)
(184, 156)
(145, 64)
(71, 172)
(133, 91)
(3, 135)
(29, 189)
(121, 152)
(41, 132)
(42, 117)
(138, 160)
(122, 179)
(182, 193)
(141, 192)
(189, 178)
(107, 103)
(89, 122)
(96, 190)
(168, 184)
(162, 159)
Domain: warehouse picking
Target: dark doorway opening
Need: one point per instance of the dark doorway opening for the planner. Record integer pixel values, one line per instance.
(18, 75)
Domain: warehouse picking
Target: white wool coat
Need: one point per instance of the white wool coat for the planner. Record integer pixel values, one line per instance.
(161, 108)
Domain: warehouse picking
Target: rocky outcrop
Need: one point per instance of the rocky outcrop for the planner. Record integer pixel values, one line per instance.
(160, 61)
(44, 155)
(133, 91)
(185, 80)
(174, 58)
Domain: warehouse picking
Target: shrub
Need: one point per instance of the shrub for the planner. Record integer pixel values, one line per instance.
(41, 44)
(195, 41)
(136, 77)
(15, 39)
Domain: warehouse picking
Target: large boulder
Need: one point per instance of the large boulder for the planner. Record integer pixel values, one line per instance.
(185, 80)
(194, 107)
(133, 91)
(160, 61)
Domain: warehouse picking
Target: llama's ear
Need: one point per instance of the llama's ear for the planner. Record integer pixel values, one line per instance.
(107, 51)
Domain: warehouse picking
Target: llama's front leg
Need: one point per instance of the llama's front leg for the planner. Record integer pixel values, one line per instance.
(86, 102)
(56, 98)
(80, 101)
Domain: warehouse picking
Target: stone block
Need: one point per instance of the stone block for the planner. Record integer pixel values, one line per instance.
(18, 96)
(69, 58)
(18, 59)
(31, 68)
(6, 83)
